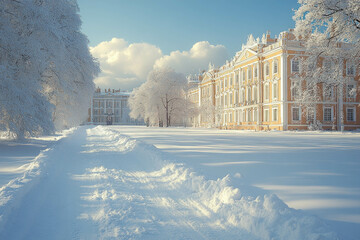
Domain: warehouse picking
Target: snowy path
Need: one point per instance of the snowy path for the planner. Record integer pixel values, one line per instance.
(99, 184)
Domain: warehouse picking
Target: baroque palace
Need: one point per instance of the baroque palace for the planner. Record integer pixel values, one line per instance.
(256, 91)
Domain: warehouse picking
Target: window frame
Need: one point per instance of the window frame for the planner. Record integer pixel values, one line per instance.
(249, 73)
(295, 59)
(267, 69)
(331, 114)
(266, 91)
(299, 114)
(275, 115)
(275, 89)
(353, 114)
(275, 64)
(266, 115)
(350, 65)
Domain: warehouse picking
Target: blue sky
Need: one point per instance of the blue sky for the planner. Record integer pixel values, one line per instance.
(178, 24)
(131, 37)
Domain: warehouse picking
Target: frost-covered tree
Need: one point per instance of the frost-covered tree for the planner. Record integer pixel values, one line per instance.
(330, 32)
(207, 112)
(161, 99)
(46, 68)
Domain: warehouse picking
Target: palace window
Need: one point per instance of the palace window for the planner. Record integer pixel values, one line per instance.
(242, 97)
(249, 73)
(255, 71)
(311, 115)
(267, 69)
(350, 69)
(249, 94)
(249, 115)
(231, 99)
(274, 114)
(328, 115)
(266, 92)
(243, 76)
(350, 91)
(266, 115)
(295, 91)
(275, 66)
(296, 114)
(255, 115)
(295, 65)
(255, 94)
(328, 92)
(275, 90)
(350, 114)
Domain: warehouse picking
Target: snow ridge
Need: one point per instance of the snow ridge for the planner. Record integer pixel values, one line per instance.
(169, 201)
(12, 193)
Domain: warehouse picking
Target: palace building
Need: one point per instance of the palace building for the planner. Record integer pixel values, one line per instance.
(110, 107)
(257, 90)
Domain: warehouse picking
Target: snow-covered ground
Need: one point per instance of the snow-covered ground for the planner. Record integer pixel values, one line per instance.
(149, 183)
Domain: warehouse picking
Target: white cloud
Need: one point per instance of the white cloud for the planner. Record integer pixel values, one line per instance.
(198, 58)
(126, 65)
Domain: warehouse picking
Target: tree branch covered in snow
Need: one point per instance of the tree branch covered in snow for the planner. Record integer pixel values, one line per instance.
(161, 99)
(330, 33)
(47, 70)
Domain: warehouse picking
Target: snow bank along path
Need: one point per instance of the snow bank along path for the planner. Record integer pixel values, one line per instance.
(99, 184)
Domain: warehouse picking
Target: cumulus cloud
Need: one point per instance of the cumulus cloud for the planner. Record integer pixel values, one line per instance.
(198, 58)
(124, 65)
(127, 65)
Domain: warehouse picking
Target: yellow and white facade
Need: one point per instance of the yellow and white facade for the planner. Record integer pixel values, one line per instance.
(256, 91)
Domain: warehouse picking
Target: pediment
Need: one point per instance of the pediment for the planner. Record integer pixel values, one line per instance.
(245, 54)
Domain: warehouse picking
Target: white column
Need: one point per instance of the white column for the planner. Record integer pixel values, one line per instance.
(284, 91)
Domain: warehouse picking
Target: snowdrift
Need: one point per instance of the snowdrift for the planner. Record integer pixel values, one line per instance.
(131, 190)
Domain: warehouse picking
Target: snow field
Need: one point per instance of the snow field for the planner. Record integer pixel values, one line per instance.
(99, 184)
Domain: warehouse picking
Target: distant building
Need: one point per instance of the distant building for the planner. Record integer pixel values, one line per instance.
(110, 108)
